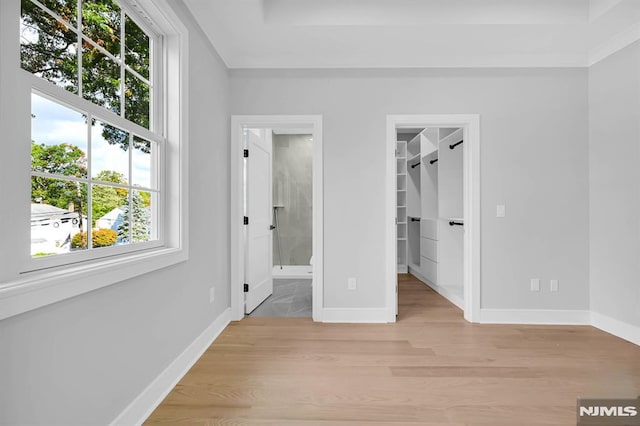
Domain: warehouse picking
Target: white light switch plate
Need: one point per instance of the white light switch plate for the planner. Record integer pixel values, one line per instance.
(554, 285)
(501, 210)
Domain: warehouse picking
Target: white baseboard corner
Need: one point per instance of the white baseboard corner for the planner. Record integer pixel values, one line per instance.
(535, 316)
(355, 315)
(623, 330)
(149, 399)
(443, 291)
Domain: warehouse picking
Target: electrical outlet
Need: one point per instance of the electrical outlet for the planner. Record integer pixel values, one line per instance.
(535, 284)
(554, 285)
(212, 294)
(501, 210)
(352, 283)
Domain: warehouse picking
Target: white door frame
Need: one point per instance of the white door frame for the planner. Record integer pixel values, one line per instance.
(471, 199)
(238, 122)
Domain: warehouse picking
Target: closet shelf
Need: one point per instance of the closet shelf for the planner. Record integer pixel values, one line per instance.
(430, 156)
(414, 157)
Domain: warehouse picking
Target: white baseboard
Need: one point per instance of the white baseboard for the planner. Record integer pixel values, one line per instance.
(616, 327)
(450, 295)
(355, 315)
(535, 316)
(441, 290)
(144, 404)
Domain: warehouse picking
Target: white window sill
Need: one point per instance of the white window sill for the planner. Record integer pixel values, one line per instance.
(38, 289)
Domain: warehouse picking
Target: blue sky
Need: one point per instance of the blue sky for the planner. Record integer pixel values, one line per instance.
(54, 124)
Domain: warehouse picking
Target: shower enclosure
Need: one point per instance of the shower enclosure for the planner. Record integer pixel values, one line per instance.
(292, 206)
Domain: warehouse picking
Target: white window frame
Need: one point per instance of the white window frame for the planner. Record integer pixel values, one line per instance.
(27, 283)
(62, 97)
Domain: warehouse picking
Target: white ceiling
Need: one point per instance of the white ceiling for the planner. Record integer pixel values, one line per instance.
(414, 33)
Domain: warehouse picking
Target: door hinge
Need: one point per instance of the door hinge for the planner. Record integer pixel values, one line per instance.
(246, 220)
(246, 288)
(246, 153)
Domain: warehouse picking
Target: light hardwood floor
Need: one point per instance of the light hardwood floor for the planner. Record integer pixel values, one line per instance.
(430, 368)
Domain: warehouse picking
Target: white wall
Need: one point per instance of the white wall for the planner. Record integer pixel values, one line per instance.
(614, 185)
(82, 361)
(534, 159)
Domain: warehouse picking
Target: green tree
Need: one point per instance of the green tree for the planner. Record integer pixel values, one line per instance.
(106, 198)
(140, 215)
(52, 54)
(62, 159)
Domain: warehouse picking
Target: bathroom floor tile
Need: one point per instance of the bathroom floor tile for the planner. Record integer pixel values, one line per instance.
(290, 298)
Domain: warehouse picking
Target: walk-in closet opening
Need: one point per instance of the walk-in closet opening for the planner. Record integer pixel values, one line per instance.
(435, 210)
(276, 192)
(430, 208)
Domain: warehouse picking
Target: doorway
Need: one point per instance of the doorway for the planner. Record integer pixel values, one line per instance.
(412, 170)
(263, 245)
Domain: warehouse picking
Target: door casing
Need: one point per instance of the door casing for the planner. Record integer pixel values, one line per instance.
(471, 199)
(237, 255)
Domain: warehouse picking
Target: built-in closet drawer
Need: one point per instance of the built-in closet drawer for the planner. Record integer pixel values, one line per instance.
(429, 248)
(429, 228)
(429, 269)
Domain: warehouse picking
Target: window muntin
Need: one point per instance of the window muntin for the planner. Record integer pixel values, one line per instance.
(87, 173)
(88, 182)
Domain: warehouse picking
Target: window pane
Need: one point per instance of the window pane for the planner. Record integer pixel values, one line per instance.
(136, 100)
(109, 153)
(100, 78)
(58, 216)
(141, 157)
(58, 139)
(137, 48)
(107, 205)
(48, 47)
(141, 213)
(101, 23)
(108, 208)
(122, 227)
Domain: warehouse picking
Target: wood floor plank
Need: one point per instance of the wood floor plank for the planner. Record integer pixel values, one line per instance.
(430, 368)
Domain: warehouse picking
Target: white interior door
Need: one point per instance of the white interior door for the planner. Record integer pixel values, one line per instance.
(259, 256)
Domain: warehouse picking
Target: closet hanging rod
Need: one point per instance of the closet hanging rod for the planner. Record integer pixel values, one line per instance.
(433, 161)
(415, 165)
(454, 223)
(455, 144)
